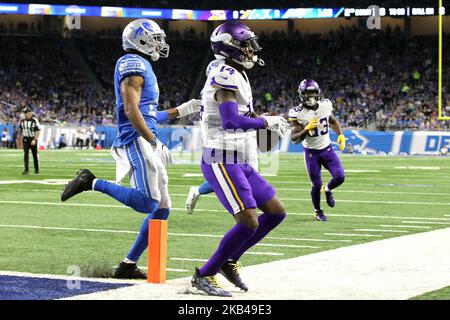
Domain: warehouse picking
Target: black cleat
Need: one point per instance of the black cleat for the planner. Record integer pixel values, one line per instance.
(36, 173)
(329, 196)
(230, 270)
(208, 285)
(25, 173)
(82, 182)
(129, 271)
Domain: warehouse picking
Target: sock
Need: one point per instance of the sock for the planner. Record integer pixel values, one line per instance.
(335, 182)
(326, 189)
(141, 242)
(267, 222)
(205, 188)
(315, 197)
(128, 196)
(231, 242)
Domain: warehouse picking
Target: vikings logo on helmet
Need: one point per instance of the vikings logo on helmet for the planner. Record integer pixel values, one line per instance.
(234, 40)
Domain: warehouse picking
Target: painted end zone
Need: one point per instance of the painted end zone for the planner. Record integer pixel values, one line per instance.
(14, 287)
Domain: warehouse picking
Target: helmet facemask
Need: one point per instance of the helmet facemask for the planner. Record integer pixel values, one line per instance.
(249, 49)
(156, 43)
(310, 97)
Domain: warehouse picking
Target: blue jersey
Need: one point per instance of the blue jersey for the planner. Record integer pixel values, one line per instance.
(130, 65)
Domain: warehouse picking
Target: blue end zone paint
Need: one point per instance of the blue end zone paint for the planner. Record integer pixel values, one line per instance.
(29, 288)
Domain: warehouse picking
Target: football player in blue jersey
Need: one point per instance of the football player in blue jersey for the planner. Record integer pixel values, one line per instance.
(136, 149)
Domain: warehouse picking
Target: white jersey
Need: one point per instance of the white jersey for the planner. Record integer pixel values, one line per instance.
(318, 138)
(214, 136)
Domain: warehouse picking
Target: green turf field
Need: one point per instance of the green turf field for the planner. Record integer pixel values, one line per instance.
(382, 197)
(441, 294)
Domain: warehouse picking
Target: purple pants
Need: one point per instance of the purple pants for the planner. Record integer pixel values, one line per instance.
(237, 185)
(315, 159)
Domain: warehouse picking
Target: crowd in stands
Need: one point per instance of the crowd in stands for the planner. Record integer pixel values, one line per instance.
(377, 77)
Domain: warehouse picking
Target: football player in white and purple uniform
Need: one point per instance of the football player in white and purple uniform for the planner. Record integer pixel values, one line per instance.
(311, 121)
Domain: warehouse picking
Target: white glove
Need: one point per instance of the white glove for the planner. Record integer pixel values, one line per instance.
(163, 153)
(277, 124)
(188, 108)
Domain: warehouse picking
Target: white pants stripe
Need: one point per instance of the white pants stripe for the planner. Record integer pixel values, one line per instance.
(225, 188)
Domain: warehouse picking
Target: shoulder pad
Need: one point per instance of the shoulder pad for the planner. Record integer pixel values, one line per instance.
(326, 103)
(225, 77)
(131, 65)
(294, 113)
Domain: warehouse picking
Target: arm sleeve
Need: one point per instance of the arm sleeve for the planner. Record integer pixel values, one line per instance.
(232, 120)
(162, 116)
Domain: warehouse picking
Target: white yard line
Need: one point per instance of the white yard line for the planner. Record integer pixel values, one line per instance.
(447, 204)
(188, 259)
(403, 226)
(264, 253)
(381, 230)
(427, 222)
(135, 232)
(285, 246)
(391, 269)
(352, 235)
(212, 210)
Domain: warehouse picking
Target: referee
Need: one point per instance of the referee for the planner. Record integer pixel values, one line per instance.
(29, 131)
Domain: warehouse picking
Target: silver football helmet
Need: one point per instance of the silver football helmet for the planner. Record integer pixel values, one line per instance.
(145, 36)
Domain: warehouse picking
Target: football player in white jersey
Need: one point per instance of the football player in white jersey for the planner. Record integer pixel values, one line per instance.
(195, 192)
(226, 120)
(311, 121)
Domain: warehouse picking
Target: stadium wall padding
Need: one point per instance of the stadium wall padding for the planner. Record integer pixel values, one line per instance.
(363, 142)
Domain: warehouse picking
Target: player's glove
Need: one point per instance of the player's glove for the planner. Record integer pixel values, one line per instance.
(277, 124)
(188, 108)
(341, 141)
(313, 124)
(163, 153)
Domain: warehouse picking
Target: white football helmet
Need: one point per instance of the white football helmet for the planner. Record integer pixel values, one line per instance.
(145, 36)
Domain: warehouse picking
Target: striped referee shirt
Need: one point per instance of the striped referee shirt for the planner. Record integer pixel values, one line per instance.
(29, 127)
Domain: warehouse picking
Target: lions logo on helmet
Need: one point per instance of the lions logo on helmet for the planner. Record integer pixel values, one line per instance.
(145, 36)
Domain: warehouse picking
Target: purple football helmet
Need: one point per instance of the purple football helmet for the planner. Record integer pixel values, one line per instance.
(309, 92)
(234, 40)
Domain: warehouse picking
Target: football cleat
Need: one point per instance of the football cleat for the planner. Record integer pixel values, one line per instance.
(25, 173)
(320, 216)
(230, 270)
(329, 196)
(209, 285)
(192, 199)
(82, 182)
(129, 271)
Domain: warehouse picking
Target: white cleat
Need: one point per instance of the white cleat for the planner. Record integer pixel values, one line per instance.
(192, 199)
